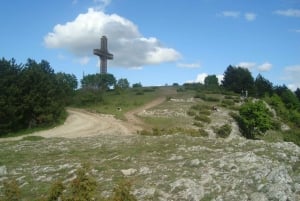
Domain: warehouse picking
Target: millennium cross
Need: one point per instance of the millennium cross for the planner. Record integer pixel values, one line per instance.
(103, 55)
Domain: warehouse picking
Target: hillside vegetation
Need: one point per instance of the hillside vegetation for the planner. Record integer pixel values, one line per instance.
(237, 141)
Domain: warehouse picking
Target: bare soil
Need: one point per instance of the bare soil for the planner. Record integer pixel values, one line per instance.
(81, 123)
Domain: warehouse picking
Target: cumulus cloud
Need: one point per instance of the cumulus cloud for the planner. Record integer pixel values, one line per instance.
(201, 77)
(129, 47)
(253, 66)
(249, 65)
(264, 67)
(288, 12)
(292, 76)
(234, 14)
(250, 16)
(189, 65)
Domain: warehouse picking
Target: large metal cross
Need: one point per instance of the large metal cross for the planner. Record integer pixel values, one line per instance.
(103, 55)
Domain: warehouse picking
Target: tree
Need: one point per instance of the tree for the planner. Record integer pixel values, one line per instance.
(211, 81)
(68, 84)
(31, 96)
(254, 119)
(98, 81)
(263, 86)
(238, 79)
(123, 83)
(297, 92)
(137, 85)
(10, 95)
(288, 97)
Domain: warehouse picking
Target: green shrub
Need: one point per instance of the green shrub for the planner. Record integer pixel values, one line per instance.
(224, 131)
(122, 192)
(202, 118)
(56, 191)
(83, 187)
(292, 136)
(203, 133)
(254, 119)
(226, 103)
(11, 190)
(191, 113)
(198, 124)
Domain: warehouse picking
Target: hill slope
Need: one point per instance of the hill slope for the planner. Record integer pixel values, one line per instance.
(166, 167)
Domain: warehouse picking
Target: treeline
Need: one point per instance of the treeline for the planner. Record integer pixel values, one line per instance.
(32, 95)
(240, 81)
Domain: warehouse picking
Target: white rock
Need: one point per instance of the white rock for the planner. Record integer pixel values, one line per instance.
(128, 172)
(195, 162)
(145, 170)
(3, 170)
(187, 189)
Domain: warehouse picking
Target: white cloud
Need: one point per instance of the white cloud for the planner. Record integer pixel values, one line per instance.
(253, 66)
(288, 12)
(249, 65)
(84, 60)
(220, 78)
(234, 14)
(129, 47)
(264, 67)
(189, 65)
(292, 76)
(101, 4)
(201, 77)
(250, 16)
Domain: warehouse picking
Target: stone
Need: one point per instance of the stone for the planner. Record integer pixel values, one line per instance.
(258, 197)
(195, 162)
(3, 170)
(145, 170)
(187, 189)
(128, 172)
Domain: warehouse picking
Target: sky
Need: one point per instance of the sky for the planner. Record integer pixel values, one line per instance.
(157, 42)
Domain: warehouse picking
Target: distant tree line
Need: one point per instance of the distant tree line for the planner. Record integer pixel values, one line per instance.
(254, 117)
(32, 95)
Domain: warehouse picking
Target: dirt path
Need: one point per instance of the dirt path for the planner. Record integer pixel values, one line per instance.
(136, 122)
(81, 123)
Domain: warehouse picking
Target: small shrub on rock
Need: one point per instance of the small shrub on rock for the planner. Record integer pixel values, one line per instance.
(224, 131)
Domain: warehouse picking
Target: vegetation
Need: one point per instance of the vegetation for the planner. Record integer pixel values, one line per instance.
(255, 119)
(223, 131)
(238, 79)
(82, 188)
(32, 95)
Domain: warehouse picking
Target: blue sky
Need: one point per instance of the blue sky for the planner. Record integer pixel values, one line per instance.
(157, 42)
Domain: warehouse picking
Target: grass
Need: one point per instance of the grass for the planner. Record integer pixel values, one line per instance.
(118, 103)
(168, 158)
(36, 162)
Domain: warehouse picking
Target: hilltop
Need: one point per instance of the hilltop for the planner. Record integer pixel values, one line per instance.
(171, 143)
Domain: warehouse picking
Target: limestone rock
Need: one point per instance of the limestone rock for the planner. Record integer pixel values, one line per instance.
(128, 172)
(3, 170)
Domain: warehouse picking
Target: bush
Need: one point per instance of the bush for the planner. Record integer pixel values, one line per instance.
(292, 136)
(11, 190)
(56, 191)
(122, 192)
(202, 118)
(254, 119)
(224, 131)
(226, 103)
